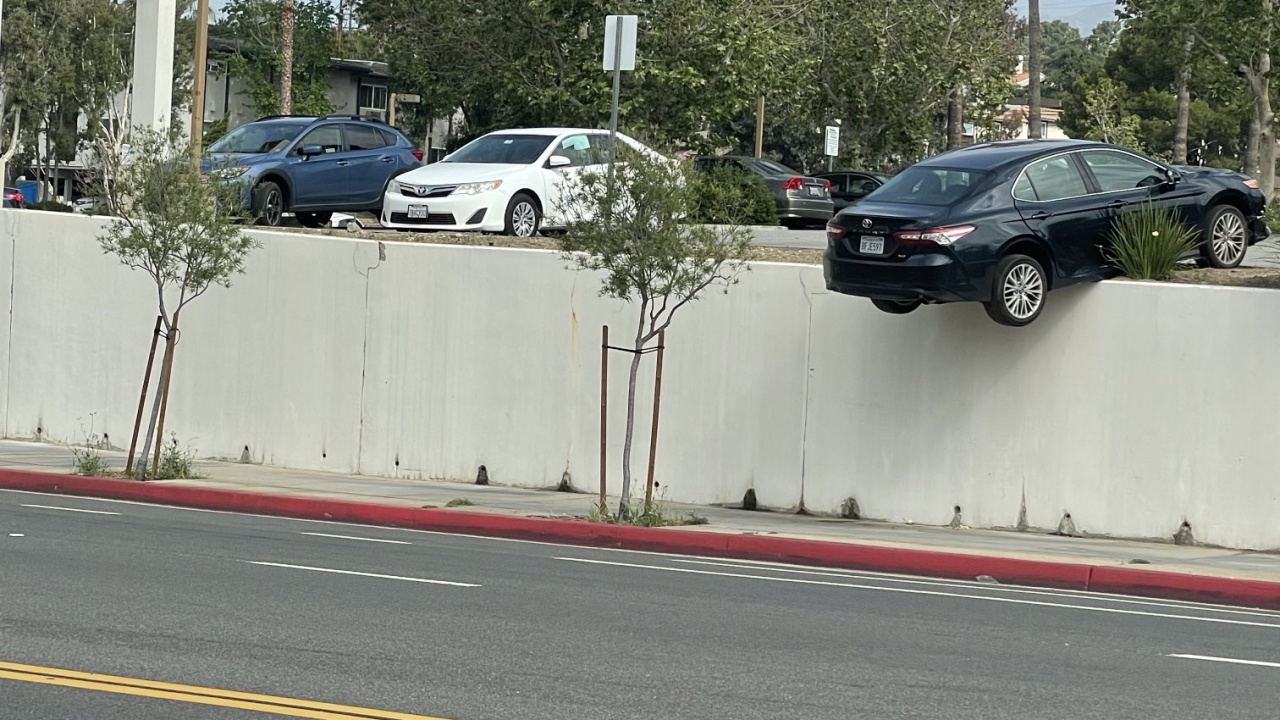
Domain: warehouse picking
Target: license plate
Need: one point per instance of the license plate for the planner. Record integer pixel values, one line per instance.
(815, 191)
(871, 245)
(417, 212)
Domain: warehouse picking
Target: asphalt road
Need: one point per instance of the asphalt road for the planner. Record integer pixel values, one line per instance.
(474, 629)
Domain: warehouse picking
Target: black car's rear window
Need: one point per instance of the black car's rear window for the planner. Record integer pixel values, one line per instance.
(936, 186)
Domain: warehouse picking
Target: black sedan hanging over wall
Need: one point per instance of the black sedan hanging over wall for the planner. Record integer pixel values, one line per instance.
(1003, 223)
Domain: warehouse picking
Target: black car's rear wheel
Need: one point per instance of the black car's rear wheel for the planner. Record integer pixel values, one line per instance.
(1018, 291)
(896, 307)
(1227, 237)
(313, 219)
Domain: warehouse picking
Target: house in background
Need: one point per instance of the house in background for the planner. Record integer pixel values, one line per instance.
(356, 87)
(1014, 118)
(1018, 111)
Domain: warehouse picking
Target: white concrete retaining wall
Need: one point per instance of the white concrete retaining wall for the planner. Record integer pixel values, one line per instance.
(1131, 406)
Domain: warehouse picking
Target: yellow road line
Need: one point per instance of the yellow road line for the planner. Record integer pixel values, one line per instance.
(199, 695)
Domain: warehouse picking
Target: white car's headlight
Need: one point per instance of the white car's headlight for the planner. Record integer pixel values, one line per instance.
(393, 187)
(477, 188)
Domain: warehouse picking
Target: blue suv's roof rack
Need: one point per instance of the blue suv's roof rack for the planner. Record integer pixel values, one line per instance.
(360, 118)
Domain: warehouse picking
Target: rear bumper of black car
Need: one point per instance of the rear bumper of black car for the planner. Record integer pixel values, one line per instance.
(932, 277)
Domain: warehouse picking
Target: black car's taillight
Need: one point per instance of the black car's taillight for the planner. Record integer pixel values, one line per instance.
(934, 236)
(835, 232)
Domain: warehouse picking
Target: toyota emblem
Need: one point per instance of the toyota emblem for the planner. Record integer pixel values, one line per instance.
(422, 189)
(866, 222)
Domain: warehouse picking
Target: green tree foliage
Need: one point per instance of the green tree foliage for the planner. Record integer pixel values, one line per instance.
(632, 229)
(538, 62)
(177, 226)
(254, 26)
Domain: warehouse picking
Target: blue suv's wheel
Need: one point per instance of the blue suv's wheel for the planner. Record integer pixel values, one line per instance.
(268, 204)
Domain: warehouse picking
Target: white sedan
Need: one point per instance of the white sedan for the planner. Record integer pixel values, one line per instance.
(509, 181)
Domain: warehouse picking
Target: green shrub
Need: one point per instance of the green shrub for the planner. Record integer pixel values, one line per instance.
(52, 206)
(1272, 215)
(176, 462)
(753, 202)
(1148, 243)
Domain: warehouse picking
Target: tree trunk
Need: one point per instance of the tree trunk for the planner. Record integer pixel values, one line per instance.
(1251, 146)
(624, 503)
(142, 467)
(955, 119)
(1183, 117)
(1033, 69)
(1266, 136)
(286, 57)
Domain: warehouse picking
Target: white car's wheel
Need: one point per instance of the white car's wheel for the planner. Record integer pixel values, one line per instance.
(523, 217)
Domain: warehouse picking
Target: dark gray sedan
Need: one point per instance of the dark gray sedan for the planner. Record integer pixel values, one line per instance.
(802, 200)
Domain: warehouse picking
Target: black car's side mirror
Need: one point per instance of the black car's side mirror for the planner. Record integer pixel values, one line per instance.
(1172, 177)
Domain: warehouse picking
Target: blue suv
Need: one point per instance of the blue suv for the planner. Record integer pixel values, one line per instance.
(311, 166)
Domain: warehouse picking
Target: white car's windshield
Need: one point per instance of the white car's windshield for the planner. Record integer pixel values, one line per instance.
(503, 150)
(259, 138)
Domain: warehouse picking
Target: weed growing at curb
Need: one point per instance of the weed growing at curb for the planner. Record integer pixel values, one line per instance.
(176, 462)
(459, 502)
(652, 516)
(87, 460)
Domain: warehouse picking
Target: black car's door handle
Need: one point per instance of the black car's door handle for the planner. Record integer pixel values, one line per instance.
(1042, 215)
(1116, 204)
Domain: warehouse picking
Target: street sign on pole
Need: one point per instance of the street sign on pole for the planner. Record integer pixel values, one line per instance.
(620, 55)
(832, 148)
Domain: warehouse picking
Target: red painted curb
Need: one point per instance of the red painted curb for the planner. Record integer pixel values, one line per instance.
(848, 556)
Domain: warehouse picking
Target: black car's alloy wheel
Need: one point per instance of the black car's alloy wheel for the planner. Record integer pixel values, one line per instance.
(896, 307)
(523, 218)
(268, 204)
(314, 219)
(1227, 238)
(1019, 290)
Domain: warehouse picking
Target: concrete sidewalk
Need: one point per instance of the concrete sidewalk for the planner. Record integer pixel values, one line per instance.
(1193, 560)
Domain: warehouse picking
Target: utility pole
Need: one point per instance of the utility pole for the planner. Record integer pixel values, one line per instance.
(286, 57)
(200, 70)
(1033, 69)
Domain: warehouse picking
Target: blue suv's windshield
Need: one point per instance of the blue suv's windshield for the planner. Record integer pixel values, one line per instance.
(257, 138)
(503, 149)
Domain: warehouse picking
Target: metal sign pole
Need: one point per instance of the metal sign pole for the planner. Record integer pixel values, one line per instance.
(613, 112)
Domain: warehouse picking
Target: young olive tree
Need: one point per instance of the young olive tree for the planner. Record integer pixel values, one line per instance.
(181, 228)
(635, 229)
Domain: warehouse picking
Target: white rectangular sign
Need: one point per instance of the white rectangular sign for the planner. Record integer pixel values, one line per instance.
(833, 141)
(628, 24)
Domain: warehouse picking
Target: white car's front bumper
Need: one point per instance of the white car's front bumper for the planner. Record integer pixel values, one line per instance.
(484, 212)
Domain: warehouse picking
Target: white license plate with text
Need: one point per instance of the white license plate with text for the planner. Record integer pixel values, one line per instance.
(871, 245)
(815, 191)
(417, 212)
